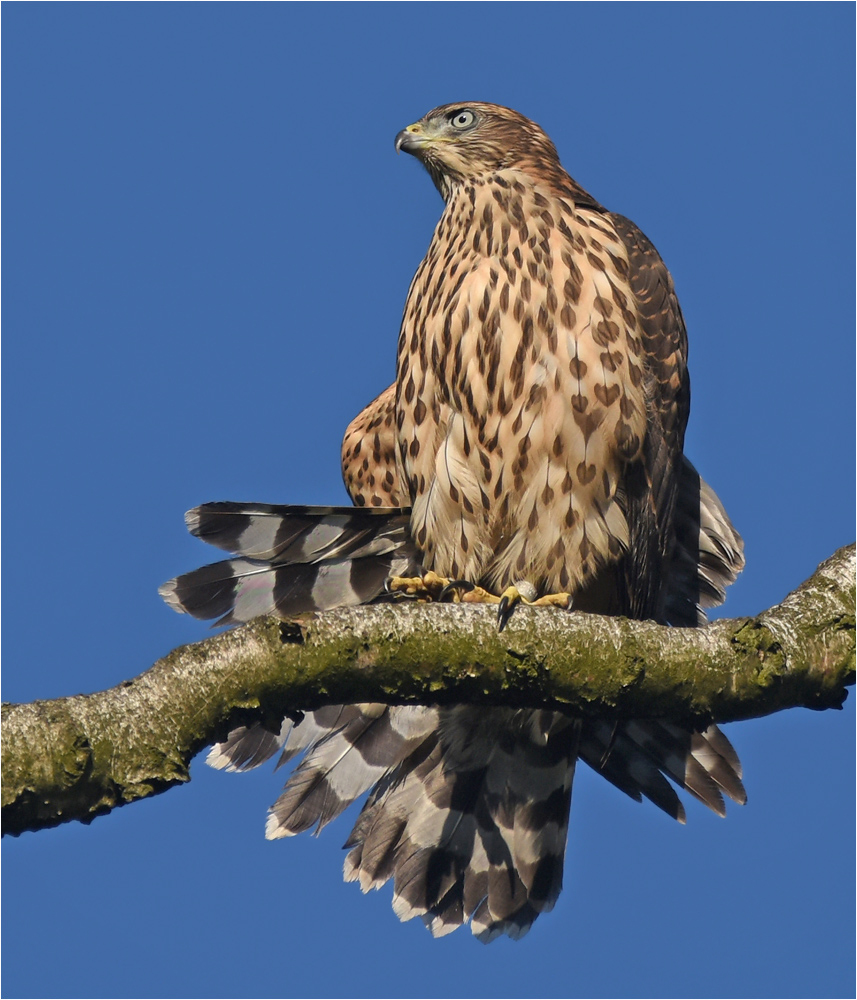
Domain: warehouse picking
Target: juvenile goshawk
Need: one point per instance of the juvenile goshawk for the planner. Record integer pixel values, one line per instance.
(532, 439)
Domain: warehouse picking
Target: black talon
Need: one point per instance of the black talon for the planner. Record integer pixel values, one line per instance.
(463, 585)
(394, 595)
(504, 612)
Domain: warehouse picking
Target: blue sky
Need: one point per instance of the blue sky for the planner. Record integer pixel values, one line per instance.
(207, 244)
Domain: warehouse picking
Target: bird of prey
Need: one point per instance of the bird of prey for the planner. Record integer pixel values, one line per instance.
(532, 447)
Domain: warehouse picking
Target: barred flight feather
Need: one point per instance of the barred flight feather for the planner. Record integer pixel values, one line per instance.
(291, 560)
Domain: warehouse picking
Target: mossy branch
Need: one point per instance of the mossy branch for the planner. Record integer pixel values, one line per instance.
(79, 757)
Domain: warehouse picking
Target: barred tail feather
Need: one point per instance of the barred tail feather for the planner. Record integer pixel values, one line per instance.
(247, 747)
(635, 756)
(474, 825)
(609, 752)
(352, 756)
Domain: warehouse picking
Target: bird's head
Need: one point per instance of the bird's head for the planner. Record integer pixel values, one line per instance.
(464, 142)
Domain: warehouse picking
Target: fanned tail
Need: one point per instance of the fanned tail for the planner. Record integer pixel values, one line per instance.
(468, 810)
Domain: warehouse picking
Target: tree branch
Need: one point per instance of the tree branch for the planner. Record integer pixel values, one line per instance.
(79, 757)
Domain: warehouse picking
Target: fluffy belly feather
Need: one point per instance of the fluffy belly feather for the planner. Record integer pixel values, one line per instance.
(526, 405)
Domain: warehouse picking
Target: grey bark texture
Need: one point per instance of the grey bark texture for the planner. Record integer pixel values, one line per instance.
(80, 757)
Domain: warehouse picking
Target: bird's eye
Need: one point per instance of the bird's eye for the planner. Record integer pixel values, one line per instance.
(462, 119)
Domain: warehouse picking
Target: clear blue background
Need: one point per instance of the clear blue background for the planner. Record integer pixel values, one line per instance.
(208, 241)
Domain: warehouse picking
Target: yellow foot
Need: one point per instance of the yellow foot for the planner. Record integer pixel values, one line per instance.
(512, 597)
(553, 601)
(507, 601)
(430, 587)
